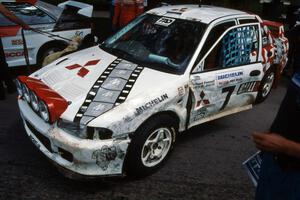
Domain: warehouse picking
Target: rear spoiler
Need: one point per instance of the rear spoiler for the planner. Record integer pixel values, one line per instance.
(276, 28)
(84, 9)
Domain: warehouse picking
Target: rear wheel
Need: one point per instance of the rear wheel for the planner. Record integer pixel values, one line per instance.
(150, 146)
(266, 86)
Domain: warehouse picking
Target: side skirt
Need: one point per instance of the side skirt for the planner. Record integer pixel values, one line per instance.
(219, 115)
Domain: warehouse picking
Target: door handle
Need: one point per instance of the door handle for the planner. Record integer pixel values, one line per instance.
(255, 73)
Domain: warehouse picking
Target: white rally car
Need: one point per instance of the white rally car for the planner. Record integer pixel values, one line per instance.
(116, 108)
(58, 24)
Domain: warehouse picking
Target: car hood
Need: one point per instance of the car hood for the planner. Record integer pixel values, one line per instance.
(94, 82)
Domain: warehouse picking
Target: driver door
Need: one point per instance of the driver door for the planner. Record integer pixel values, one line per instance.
(227, 78)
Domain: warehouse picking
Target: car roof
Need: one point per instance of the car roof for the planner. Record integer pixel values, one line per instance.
(203, 13)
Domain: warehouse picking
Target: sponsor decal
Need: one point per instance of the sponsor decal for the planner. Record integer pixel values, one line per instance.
(181, 91)
(199, 114)
(104, 156)
(14, 54)
(165, 21)
(230, 77)
(17, 42)
(83, 71)
(203, 101)
(150, 104)
(110, 89)
(248, 87)
(209, 83)
(198, 83)
(182, 10)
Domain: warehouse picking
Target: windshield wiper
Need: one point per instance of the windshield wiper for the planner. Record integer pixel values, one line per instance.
(117, 52)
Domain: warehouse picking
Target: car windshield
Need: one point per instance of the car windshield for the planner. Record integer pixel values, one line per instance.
(30, 14)
(163, 43)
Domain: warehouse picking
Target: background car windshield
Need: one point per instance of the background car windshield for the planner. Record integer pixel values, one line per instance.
(163, 43)
(28, 13)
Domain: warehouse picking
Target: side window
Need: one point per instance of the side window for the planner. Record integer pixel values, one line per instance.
(238, 47)
(214, 35)
(247, 21)
(29, 14)
(211, 39)
(70, 20)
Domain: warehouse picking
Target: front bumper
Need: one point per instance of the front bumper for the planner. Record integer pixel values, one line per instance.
(80, 156)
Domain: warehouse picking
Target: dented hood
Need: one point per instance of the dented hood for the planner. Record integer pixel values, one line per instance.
(94, 82)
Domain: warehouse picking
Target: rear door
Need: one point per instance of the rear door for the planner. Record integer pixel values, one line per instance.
(227, 77)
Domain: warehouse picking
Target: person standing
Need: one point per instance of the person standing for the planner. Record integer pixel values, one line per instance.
(280, 170)
(5, 76)
(293, 64)
(111, 15)
(125, 11)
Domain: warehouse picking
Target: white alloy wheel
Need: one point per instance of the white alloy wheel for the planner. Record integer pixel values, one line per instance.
(268, 84)
(156, 147)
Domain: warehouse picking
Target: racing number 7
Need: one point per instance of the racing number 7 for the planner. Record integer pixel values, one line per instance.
(230, 90)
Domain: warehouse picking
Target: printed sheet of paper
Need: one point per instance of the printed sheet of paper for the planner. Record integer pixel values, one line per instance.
(253, 165)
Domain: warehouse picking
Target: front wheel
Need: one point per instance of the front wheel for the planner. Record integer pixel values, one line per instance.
(265, 86)
(48, 50)
(150, 146)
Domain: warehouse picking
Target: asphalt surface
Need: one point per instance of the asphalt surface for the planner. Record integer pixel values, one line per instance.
(206, 163)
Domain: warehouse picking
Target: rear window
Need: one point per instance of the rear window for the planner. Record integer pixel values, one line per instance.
(28, 13)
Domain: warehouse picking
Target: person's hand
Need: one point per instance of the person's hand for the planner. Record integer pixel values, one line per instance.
(269, 142)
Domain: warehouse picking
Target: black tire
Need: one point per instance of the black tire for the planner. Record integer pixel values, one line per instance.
(135, 166)
(266, 85)
(49, 49)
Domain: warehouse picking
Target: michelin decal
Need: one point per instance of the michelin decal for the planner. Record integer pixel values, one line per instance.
(233, 77)
(150, 104)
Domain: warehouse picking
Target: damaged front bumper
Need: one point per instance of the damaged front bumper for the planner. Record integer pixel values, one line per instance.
(82, 157)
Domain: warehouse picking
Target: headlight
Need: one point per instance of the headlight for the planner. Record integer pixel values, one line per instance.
(19, 87)
(44, 111)
(102, 134)
(73, 128)
(26, 93)
(34, 101)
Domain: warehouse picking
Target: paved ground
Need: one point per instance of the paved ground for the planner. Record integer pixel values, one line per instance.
(205, 164)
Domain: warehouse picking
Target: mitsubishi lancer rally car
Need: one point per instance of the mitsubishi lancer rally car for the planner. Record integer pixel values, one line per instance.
(59, 25)
(116, 108)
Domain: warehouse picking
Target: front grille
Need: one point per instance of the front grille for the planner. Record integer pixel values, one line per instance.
(44, 140)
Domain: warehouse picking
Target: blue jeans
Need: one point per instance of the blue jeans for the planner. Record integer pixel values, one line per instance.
(275, 183)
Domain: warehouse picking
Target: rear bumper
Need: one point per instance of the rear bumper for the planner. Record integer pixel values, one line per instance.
(75, 157)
